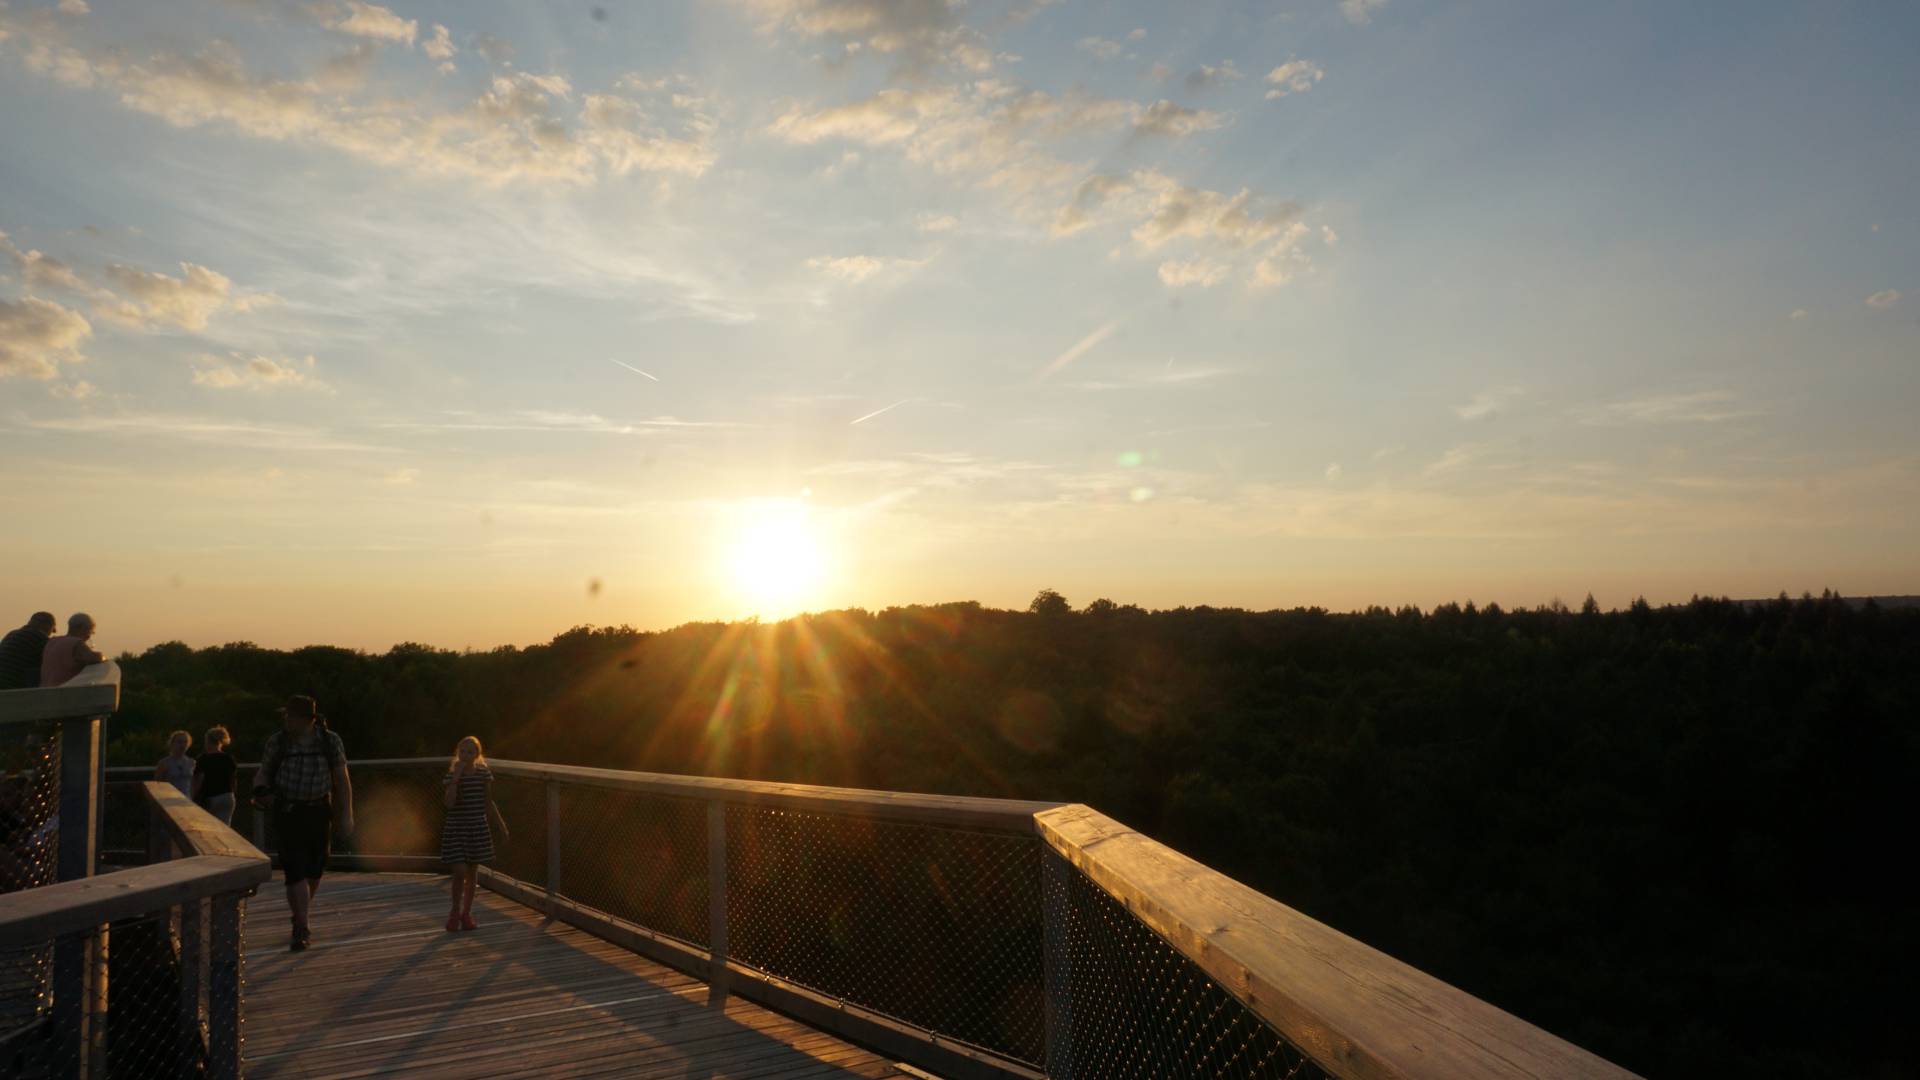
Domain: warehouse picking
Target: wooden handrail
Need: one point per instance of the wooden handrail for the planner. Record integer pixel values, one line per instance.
(1357, 1011)
(35, 916)
(1013, 815)
(93, 692)
(196, 831)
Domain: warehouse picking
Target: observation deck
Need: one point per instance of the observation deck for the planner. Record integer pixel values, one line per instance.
(641, 924)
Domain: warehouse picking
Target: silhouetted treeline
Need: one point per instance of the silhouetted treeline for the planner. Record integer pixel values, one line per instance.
(1675, 836)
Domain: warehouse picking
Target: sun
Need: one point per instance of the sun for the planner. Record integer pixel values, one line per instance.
(775, 561)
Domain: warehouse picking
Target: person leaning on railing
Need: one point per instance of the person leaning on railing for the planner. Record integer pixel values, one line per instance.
(67, 656)
(303, 771)
(22, 650)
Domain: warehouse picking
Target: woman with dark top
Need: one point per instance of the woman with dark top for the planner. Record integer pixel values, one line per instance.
(465, 839)
(213, 776)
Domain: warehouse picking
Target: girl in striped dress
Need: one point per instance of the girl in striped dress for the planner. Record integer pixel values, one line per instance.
(465, 839)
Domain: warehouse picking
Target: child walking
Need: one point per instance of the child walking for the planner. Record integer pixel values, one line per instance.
(465, 839)
(177, 768)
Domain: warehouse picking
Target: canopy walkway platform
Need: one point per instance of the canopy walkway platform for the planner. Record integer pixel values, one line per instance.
(648, 925)
(386, 991)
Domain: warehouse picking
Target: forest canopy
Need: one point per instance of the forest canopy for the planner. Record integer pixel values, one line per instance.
(1655, 832)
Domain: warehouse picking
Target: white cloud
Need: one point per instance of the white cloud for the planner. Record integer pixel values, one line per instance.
(1208, 74)
(369, 21)
(1138, 33)
(936, 223)
(1166, 118)
(1705, 407)
(1333, 471)
(919, 34)
(402, 477)
(187, 301)
(256, 373)
(1451, 461)
(1489, 403)
(1798, 313)
(37, 336)
(1294, 77)
(523, 128)
(1079, 349)
(1158, 379)
(1200, 272)
(1883, 299)
(1104, 48)
(254, 436)
(42, 270)
(74, 7)
(440, 45)
(77, 390)
(855, 269)
(1360, 12)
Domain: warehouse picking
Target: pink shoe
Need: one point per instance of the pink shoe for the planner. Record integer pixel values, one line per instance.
(467, 923)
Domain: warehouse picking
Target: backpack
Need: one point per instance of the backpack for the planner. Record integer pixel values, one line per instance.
(272, 779)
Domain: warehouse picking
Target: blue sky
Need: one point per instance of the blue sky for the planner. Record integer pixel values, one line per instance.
(322, 319)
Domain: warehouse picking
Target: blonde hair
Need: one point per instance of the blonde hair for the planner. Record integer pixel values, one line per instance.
(187, 735)
(479, 753)
(217, 735)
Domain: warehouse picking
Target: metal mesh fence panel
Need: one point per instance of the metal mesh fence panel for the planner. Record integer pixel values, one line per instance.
(29, 808)
(936, 927)
(523, 806)
(137, 1003)
(1122, 1002)
(638, 857)
(397, 810)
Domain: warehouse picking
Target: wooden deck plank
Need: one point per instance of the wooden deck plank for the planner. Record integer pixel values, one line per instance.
(385, 991)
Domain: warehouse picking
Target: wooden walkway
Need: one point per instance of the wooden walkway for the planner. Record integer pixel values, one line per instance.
(386, 991)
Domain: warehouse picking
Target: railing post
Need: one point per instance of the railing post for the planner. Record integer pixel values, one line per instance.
(74, 956)
(717, 899)
(553, 841)
(223, 989)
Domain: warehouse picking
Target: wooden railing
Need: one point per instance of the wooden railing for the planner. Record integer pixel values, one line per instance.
(1053, 918)
(191, 896)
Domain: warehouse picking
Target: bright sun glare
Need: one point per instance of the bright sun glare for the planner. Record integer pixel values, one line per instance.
(775, 561)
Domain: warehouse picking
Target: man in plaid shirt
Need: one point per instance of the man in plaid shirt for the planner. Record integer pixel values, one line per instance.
(302, 777)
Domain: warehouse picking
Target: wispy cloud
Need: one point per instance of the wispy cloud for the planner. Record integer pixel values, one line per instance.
(1453, 460)
(1158, 378)
(257, 373)
(857, 269)
(1360, 12)
(633, 369)
(1705, 407)
(1489, 403)
(1078, 349)
(553, 420)
(202, 429)
(879, 411)
(37, 336)
(1884, 299)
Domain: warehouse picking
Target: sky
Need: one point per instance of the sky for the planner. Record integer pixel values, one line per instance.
(465, 323)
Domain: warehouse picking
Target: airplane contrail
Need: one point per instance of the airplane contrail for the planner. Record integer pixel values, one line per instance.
(1074, 353)
(631, 368)
(878, 411)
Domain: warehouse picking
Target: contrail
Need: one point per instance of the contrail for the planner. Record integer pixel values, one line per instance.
(878, 411)
(631, 368)
(1075, 353)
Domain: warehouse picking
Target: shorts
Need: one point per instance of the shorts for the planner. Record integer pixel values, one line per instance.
(221, 806)
(305, 832)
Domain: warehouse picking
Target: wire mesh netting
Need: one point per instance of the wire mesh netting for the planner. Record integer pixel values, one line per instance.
(1122, 1002)
(936, 927)
(133, 1001)
(522, 853)
(638, 857)
(29, 808)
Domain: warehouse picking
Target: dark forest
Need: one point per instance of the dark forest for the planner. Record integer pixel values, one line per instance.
(1672, 835)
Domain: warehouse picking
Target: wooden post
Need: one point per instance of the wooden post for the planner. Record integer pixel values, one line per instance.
(100, 1021)
(553, 839)
(223, 989)
(73, 956)
(717, 899)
